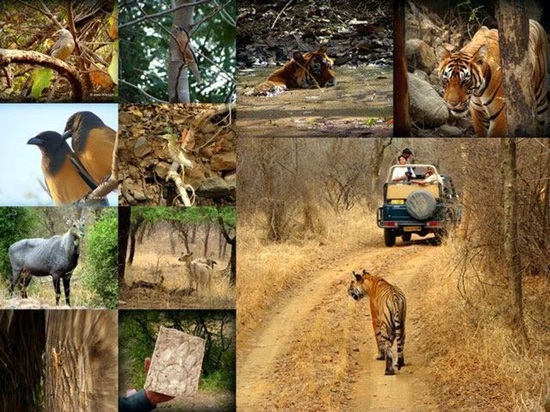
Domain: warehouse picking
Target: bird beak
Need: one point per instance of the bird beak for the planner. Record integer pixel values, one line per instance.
(67, 134)
(36, 141)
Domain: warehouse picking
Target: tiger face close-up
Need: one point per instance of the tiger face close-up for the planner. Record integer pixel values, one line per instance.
(303, 71)
(472, 79)
(388, 309)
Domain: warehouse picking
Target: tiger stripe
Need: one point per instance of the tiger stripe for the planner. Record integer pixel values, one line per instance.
(472, 80)
(304, 71)
(388, 308)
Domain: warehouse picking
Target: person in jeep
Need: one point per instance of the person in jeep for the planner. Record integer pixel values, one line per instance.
(403, 173)
(430, 177)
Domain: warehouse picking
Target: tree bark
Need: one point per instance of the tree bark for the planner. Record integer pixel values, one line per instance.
(233, 259)
(402, 120)
(517, 71)
(510, 243)
(178, 76)
(81, 372)
(38, 59)
(124, 219)
(380, 145)
(22, 341)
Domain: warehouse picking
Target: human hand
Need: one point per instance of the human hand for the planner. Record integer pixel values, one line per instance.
(155, 397)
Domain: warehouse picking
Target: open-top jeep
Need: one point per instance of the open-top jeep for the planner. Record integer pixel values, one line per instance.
(421, 209)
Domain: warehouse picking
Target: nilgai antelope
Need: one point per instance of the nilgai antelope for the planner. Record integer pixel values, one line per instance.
(199, 271)
(56, 257)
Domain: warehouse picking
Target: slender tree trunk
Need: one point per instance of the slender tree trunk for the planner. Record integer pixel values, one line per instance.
(133, 231)
(402, 120)
(510, 244)
(380, 145)
(177, 77)
(124, 219)
(517, 70)
(81, 371)
(208, 228)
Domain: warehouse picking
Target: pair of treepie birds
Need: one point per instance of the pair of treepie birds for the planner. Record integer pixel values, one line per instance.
(71, 174)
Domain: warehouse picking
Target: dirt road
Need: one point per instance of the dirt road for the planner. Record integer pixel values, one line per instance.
(271, 372)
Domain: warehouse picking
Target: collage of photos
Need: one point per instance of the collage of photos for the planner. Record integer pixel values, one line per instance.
(386, 166)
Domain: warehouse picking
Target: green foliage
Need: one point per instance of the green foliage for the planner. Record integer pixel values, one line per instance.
(100, 272)
(218, 381)
(192, 215)
(144, 51)
(41, 79)
(16, 223)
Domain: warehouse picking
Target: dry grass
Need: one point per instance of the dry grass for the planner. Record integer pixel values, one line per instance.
(316, 370)
(153, 258)
(268, 270)
(472, 354)
(41, 294)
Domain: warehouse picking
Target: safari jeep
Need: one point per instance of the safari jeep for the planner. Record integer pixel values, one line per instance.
(411, 208)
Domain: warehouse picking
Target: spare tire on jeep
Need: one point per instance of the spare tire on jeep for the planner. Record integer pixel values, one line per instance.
(420, 204)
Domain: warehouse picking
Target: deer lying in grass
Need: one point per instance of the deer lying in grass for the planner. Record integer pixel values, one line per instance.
(199, 271)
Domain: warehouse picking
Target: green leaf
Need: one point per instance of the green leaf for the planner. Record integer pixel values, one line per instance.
(41, 79)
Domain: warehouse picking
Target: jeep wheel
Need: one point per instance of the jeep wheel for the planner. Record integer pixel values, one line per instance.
(406, 237)
(389, 238)
(420, 204)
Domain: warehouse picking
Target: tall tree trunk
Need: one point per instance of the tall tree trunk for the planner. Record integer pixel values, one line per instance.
(133, 231)
(517, 71)
(510, 244)
(124, 219)
(22, 341)
(208, 228)
(81, 361)
(177, 77)
(380, 145)
(402, 120)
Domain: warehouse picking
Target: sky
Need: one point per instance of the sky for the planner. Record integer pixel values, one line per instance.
(20, 170)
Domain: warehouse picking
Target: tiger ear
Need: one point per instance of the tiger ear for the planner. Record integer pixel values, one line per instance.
(480, 54)
(297, 56)
(322, 48)
(443, 52)
(358, 277)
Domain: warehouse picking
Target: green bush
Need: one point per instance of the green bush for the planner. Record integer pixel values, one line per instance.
(100, 270)
(16, 223)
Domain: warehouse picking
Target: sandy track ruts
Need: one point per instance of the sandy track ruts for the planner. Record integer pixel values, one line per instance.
(372, 390)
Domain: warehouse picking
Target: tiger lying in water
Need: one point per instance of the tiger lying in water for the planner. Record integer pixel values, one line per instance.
(304, 71)
(388, 309)
(472, 79)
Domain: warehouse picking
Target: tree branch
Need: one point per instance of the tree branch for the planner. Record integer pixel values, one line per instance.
(153, 16)
(38, 59)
